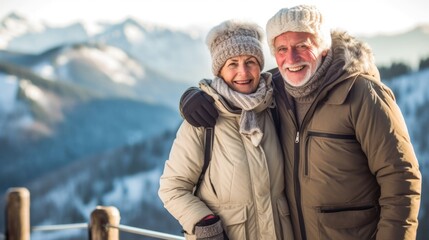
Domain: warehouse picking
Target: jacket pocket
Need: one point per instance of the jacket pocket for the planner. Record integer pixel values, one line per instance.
(328, 144)
(234, 219)
(349, 222)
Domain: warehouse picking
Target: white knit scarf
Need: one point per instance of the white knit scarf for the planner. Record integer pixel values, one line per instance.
(247, 102)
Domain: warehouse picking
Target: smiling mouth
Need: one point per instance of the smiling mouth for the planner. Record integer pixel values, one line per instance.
(242, 82)
(296, 69)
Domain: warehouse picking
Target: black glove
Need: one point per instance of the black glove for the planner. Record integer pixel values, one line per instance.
(197, 108)
(210, 229)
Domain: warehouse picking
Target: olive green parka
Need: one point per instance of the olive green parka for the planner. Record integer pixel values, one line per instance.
(351, 171)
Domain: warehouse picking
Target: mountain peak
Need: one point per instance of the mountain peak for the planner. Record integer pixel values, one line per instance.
(13, 16)
(131, 20)
(15, 22)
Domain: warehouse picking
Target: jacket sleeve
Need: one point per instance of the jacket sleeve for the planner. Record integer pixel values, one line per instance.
(181, 173)
(383, 134)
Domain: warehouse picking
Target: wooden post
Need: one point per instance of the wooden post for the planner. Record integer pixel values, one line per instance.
(18, 214)
(101, 217)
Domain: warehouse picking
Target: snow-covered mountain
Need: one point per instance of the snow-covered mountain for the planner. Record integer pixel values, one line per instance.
(408, 47)
(102, 69)
(74, 106)
(53, 131)
(18, 34)
(48, 124)
(177, 54)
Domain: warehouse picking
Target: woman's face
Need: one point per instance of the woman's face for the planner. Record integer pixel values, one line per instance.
(241, 73)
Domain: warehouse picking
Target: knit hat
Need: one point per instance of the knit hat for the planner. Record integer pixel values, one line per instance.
(301, 18)
(234, 38)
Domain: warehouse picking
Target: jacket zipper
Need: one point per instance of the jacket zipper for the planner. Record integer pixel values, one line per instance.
(297, 189)
(296, 184)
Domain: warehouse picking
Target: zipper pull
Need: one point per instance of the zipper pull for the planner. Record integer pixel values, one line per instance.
(297, 137)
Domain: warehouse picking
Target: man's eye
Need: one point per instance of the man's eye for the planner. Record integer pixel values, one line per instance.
(301, 46)
(281, 49)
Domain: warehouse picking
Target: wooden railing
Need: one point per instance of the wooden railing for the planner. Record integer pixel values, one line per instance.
(104, 221)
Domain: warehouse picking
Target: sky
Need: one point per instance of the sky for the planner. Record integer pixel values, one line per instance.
(368, 17)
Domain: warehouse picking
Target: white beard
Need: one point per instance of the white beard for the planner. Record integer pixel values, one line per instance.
(308, 75)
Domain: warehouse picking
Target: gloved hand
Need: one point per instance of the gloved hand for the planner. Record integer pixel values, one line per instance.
(197, 108)
(210, 229)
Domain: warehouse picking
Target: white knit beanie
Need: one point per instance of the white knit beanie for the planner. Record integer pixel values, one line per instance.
(301, 18)
(234, 38)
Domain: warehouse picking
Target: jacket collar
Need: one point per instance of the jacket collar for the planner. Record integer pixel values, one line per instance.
(352, 58)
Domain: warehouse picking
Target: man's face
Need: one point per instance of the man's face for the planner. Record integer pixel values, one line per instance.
(297, 56)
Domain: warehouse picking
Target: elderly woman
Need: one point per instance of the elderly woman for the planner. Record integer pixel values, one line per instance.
(242, 195)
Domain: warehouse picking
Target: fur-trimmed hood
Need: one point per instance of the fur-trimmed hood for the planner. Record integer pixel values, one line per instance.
(356, 56)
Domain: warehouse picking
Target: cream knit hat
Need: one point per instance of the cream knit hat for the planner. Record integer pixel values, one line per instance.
(301, 18)
(234, 38)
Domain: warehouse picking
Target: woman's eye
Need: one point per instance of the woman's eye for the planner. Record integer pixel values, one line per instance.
(251, 62)
(232, 65)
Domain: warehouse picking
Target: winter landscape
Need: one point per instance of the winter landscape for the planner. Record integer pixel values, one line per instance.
(88, 120)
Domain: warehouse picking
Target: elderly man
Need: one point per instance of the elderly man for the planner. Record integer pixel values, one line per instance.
(351, 171)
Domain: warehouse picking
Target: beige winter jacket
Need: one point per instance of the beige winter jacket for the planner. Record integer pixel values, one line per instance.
(243, 184)
(351, 171)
